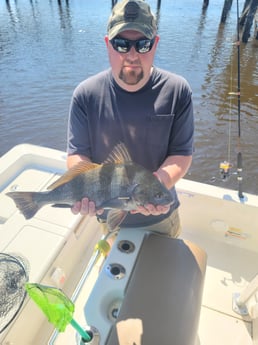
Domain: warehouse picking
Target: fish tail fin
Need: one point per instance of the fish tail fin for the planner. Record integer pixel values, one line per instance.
(26, 203)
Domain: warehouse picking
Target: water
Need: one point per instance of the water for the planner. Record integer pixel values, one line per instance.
(48, 47)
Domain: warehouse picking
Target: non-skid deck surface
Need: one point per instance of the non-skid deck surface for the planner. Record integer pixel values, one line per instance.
(229, 270)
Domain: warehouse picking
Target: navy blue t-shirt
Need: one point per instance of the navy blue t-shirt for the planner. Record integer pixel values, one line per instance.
(154, 122)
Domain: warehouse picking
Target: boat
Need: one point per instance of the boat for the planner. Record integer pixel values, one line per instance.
(198, 289)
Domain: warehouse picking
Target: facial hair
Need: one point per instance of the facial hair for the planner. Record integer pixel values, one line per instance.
(131, 77)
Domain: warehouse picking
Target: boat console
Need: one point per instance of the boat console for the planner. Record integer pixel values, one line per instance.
(162, 297)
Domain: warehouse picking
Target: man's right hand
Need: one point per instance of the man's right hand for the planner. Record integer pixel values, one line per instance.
(86, 207)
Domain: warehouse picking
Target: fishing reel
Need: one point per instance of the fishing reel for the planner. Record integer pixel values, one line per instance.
(225, 170)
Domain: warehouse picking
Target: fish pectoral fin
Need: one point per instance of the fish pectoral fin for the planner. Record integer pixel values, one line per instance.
(115, 218)
(78, 169)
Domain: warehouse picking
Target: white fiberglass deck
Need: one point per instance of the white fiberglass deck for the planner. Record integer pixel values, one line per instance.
(228, 231)
(53, 242)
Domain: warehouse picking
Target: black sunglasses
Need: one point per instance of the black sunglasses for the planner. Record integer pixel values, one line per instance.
(123, 45)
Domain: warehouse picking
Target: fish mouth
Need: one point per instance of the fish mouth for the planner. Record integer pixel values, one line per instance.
(169, 203)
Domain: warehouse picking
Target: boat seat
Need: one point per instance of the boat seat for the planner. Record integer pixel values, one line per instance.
(163, 297)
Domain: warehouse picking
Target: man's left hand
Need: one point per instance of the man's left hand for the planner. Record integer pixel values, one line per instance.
(150, 209)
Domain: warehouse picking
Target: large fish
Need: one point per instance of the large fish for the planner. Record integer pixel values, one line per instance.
(117, 184)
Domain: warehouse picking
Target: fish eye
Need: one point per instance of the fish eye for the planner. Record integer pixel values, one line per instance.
(158, 195)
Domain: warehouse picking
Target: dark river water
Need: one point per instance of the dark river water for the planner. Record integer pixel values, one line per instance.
(48, 46)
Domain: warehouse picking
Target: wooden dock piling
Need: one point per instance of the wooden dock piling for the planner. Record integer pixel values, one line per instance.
(247, 18)
(226, 8)
(113, 3)
(205, 4)
(256, 25)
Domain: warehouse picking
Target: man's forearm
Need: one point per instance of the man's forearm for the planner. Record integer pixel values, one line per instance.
(75, 159)
(173, 169)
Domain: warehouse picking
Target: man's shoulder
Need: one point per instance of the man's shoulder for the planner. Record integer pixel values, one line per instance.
(94, 81)
(170, 76)
(171, 80)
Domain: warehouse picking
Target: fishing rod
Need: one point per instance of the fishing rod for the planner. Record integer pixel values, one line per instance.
(239, 155)
(226, 165)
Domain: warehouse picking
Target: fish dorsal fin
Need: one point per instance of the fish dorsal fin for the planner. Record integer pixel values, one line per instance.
(119, 155)
(76, 170)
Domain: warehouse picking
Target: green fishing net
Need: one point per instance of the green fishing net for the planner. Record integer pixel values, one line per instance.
(53, 302)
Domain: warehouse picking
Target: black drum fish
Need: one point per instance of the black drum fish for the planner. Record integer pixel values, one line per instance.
(118, 184)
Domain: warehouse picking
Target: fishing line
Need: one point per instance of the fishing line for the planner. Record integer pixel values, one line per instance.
(226, 166)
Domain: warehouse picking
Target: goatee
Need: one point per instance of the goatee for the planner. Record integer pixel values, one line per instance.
(131, 78)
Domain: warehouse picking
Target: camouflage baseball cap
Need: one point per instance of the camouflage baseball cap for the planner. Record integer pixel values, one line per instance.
(132, 15)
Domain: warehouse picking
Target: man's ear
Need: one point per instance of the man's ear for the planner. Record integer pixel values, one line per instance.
(106, 40)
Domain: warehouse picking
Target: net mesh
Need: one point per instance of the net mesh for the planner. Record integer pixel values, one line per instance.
(53, 302)
(13, 276)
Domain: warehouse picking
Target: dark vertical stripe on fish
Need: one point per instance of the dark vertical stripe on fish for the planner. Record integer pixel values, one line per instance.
(131, 170)
(106, 175)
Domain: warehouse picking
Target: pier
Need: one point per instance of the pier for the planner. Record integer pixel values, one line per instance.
(248, 18)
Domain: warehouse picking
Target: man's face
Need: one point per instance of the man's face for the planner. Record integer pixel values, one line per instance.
(131, 70)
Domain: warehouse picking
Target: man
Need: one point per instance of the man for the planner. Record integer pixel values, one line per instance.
(148, 109)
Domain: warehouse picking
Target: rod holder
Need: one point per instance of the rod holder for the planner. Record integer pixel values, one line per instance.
(240, 299)
(95, 337)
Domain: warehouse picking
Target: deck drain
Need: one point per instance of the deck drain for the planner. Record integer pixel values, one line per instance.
(113, 310)
(115, 271)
